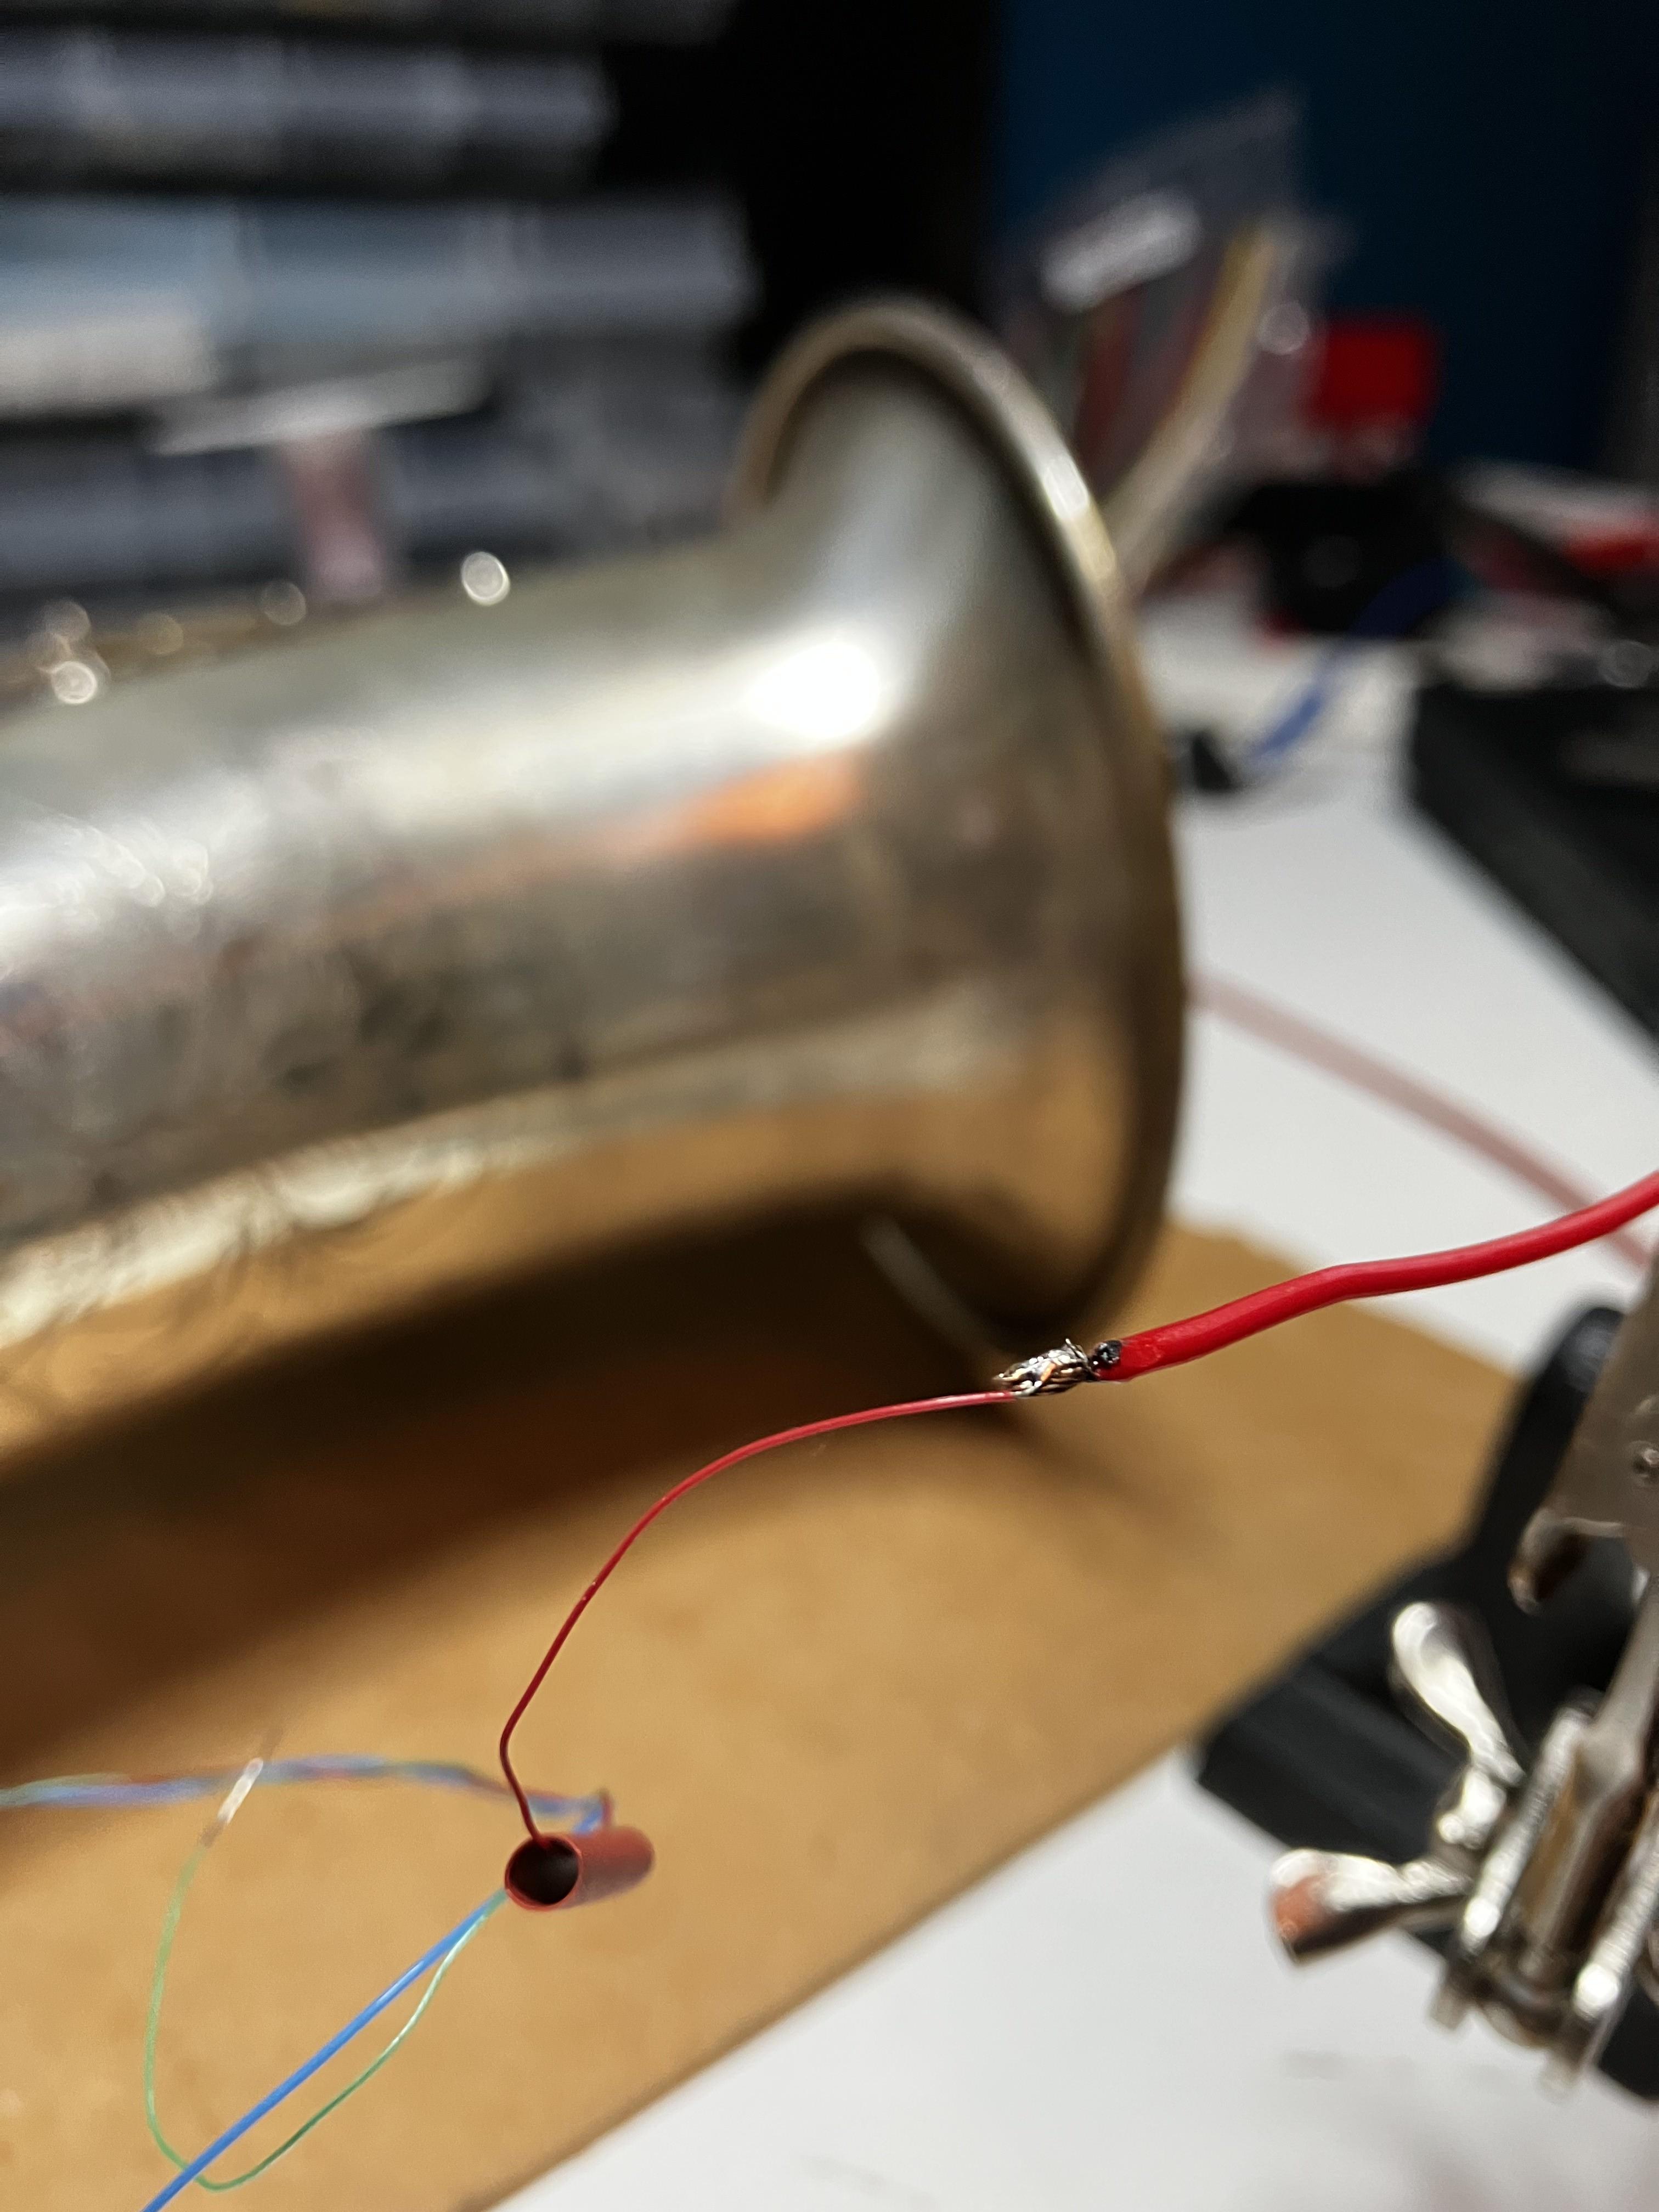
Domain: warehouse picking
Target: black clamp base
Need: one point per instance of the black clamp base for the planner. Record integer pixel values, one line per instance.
(1324, 1757)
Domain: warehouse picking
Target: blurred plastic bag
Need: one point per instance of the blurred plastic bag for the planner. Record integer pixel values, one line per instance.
(1166, 312)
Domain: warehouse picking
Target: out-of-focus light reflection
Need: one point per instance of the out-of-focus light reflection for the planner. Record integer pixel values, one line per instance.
(161, 633)
(284, 604)
(828, 693)
(1064, 489)
(484, 579)
(75, 682)
(1285, 328)
(65, 620)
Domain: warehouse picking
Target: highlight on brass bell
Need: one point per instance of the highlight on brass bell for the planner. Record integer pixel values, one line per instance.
(737, 738)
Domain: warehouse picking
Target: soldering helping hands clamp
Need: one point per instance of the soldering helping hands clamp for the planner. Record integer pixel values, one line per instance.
(1545, 1877)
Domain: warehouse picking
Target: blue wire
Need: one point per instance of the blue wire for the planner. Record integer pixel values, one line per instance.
(318, 2059)
(1402, 602)
(91, 1791)
(88, 1791)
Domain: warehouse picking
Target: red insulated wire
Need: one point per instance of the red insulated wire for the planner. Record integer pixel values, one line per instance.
(1306, 1040)
(1177, 1341)
(1149, 1349)
(804, 1434)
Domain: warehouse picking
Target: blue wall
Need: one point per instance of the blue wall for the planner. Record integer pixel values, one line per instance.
(1487, 157)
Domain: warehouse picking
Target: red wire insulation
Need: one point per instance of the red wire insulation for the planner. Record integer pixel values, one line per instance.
(1292, 1033)
(1177, 1341)
(1170, 1345)
(804, 1434)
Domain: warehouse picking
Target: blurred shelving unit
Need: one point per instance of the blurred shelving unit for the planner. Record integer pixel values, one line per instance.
(302, 305)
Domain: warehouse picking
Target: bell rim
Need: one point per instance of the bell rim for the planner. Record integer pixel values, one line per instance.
(1024, 439)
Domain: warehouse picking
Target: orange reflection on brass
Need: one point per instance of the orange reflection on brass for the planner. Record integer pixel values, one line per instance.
(777, 804)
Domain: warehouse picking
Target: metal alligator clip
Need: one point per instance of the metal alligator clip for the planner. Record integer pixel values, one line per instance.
(1545, 1875)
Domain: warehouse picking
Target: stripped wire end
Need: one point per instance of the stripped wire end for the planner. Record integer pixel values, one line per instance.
(236, 1796)
(1047, 1373)
(235, 1800)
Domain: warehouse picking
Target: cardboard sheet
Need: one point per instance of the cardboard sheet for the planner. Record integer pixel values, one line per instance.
(834, 1687)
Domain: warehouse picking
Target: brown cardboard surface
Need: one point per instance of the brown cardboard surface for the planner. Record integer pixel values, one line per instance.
(834, 1687)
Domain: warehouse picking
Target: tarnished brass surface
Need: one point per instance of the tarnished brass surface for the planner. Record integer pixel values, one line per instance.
(822, 866)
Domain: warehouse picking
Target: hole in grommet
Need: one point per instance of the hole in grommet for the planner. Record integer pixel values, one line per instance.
(542, 1874)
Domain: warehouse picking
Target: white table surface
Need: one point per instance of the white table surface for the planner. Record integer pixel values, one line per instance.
(1104, 2021)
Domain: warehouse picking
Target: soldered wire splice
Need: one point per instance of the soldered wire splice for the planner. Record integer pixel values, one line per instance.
(1045, 1374)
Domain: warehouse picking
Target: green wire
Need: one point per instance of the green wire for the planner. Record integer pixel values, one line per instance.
(170, 1920)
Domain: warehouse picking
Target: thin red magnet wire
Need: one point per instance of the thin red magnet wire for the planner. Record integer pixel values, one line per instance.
(1293, 1033)
(804, 1434)
(1177, 1341)
(1170, 1344)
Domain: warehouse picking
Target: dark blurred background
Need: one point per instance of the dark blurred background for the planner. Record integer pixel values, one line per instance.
(304, 302)
(1488, 156)
(585, 223)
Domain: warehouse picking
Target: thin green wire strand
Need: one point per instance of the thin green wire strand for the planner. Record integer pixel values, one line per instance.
(170, 1920)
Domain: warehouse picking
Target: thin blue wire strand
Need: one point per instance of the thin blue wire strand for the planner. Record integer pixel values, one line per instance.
(319, 2058)
(89, 1791)
(1401, 603)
